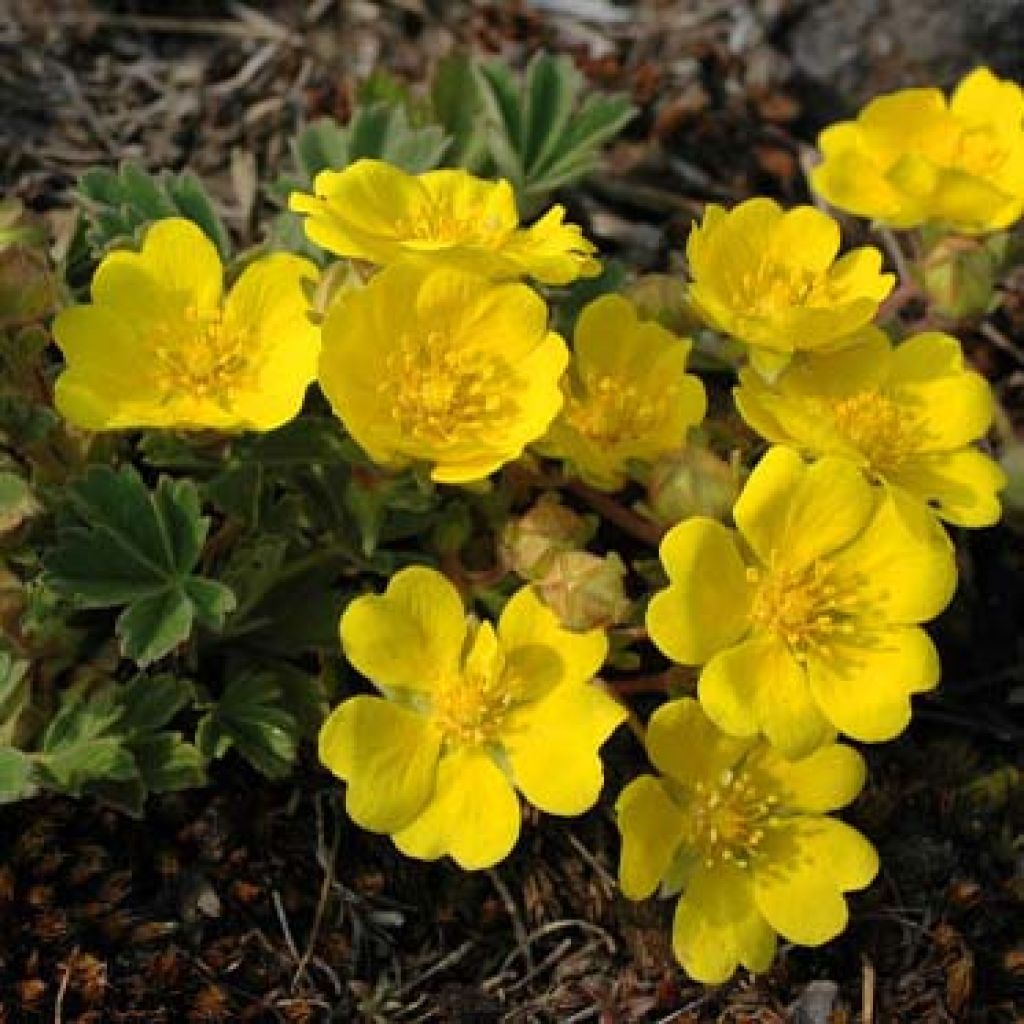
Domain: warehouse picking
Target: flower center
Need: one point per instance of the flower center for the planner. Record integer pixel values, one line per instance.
(805, 607)
(438, 394)
(201, 357)
(776, 286)
(875, 426)
(614, 413)
(470, 706)
(979, 152)
(729, 818)
(436, 222)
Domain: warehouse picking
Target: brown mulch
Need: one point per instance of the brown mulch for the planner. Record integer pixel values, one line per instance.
(257, 902)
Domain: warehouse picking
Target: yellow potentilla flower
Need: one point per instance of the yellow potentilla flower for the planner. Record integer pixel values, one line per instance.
(806, 622)
(911, 158)
(770, 278)
(161, 346)
(377, 212)
(469, 715)
(745, 835)
(907, 416)
(442, 367)
(627, 395)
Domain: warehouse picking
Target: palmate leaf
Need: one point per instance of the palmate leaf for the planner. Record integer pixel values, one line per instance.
(540, 133)
(123, 545)
(252, 716)
(110, 741)
(122, 203)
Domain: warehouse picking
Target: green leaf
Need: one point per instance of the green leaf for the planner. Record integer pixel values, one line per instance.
(151, 627)
(17, 502)
(102, 759)
(455, 102)
(24, 423)
(127, 546)
(250, 716)
(122, 204)
(540, 133)
(168, 764)
(552, 84)
(17, 775)
(15, 698)
(149, 703)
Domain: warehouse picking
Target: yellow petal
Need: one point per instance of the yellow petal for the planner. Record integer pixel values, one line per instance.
(467, 199)
(652, 826)
(706, 603)
(388, 756)
(952, 405)
(791, 513)
(359, 212)
(962, 486)
(409, 637)
(864, 687)
(552, 251)
(806, 237)
(902, 567)
(758, 686)
(269, 301)
(552, 746)
(801, 873)
(858, 275)
(683, 743)
(177, 267)
(473, 816)
(540, 652)
(97, 345)
(972, 205)
(828, 779)
(982, 98)
(850, 180)
(717, 926)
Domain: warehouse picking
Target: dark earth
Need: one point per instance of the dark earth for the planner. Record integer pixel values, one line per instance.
(251, 901)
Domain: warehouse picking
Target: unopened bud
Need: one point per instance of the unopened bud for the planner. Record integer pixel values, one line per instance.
(959, 275)
(692, 482)
(27, 289)
(530, 542)
(585, 590)
(664, 298)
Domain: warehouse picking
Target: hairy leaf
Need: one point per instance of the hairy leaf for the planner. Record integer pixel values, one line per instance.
(127, 546)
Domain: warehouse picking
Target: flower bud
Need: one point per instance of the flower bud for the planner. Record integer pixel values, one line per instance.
(584, 590)
(529, 543)
(27, 289)
(692, 482)
(959, 275)
(663, 297)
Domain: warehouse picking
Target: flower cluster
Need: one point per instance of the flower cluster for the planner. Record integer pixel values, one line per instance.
(912, 158)
(800, 598)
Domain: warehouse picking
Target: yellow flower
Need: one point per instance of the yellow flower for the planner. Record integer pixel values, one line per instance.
(907, 416)
(376, 212)
(745, 835)
(815, 629)
(911, 158)
(160, 346)
(627, 395)
(469, 715)
(442, 367)
(770, 278)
